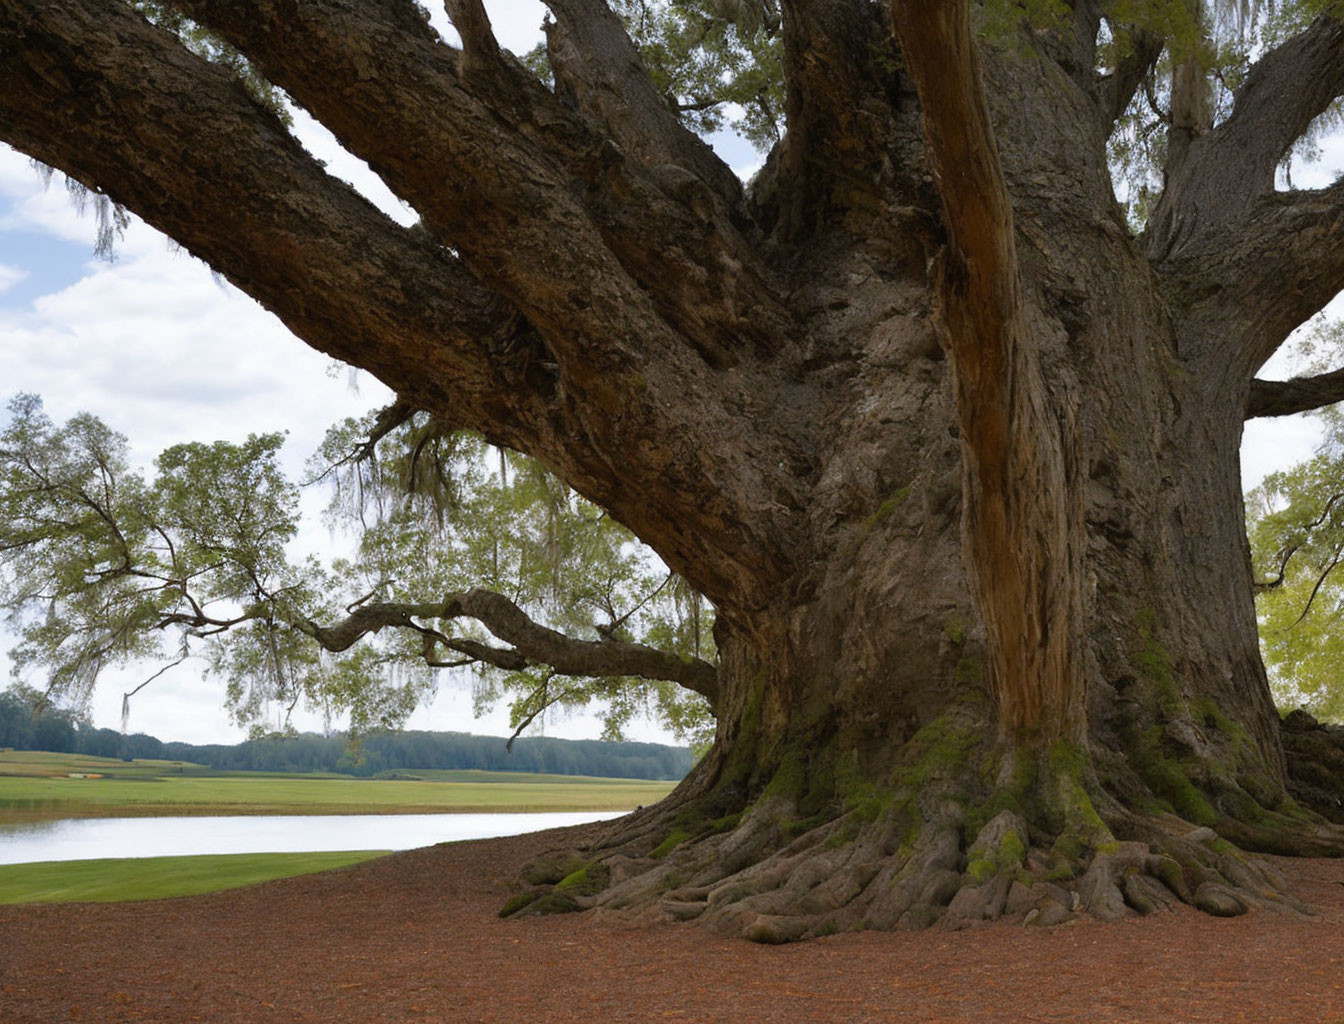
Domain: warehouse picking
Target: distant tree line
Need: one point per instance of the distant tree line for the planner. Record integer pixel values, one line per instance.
(62, 731)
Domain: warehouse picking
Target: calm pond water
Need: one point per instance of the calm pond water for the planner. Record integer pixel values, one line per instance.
(89, 838)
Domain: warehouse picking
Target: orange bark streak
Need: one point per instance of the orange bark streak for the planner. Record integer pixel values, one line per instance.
(1023, 521)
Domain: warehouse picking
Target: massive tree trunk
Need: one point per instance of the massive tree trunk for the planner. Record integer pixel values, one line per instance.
(953, 454)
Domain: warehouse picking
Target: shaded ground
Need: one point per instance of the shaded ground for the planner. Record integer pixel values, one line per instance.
(415, 937)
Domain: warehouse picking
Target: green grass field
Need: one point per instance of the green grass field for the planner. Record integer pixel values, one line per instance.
(38, 786)
(154, 878)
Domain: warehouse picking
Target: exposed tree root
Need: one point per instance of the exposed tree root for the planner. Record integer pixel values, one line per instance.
(766, 884)
(931, 851)
(1315, 753)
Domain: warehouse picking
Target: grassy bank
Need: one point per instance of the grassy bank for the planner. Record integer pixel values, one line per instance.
(153, 878)
(38, 786)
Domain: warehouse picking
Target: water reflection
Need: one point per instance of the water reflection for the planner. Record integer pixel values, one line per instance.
(88, 838)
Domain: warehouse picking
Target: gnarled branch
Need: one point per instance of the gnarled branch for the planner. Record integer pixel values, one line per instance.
(396, 96)
(547, 214)
(531, 642)
(1242, 264)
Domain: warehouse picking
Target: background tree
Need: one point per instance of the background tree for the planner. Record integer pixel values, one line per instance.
(99, 566)
(1296, 525)
(951, 450)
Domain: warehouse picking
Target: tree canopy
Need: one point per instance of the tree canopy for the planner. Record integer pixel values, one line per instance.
(1296, 524)
(454, 541)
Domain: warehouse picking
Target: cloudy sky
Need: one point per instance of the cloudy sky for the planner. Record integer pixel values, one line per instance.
(163, 352)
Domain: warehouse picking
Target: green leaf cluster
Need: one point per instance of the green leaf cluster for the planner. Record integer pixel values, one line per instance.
(1297, 539)
(101, 565)
(1295, 522)
(95, 560)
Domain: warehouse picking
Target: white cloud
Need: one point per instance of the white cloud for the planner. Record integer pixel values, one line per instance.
(164, 353)
(10, 276)
(36, 205)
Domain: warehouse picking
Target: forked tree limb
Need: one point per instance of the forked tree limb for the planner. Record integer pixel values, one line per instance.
(1283, 93)
(1247, 263)
(529, 641)
(543, 207)
(1206, 203)
(94, 89)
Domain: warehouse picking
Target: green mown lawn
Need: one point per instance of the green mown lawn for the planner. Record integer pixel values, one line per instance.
(153, 878)
(39, 786)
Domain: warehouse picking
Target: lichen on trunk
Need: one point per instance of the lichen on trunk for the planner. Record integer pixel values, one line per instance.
(891, 811)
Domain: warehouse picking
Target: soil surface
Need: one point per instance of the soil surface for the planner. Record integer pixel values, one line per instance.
(415, 937)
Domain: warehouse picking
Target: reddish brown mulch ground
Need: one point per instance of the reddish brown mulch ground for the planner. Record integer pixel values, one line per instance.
(415, 938)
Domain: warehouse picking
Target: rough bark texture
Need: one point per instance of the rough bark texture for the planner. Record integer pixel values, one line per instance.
(952, 452)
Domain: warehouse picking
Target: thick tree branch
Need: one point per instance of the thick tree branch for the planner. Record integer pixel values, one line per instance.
(599, 69)
(395, 96)
(1117, 88)
(1281, 266)
(268, 217)
(1241, 264)
(479, 48)
(1291, 261)
(531, 641)
(1283, 93)
(840, 146)
(559, 220)
(1301, 394)
(95, 90)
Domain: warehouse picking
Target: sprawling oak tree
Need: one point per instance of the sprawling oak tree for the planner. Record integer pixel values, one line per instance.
(953, 452)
